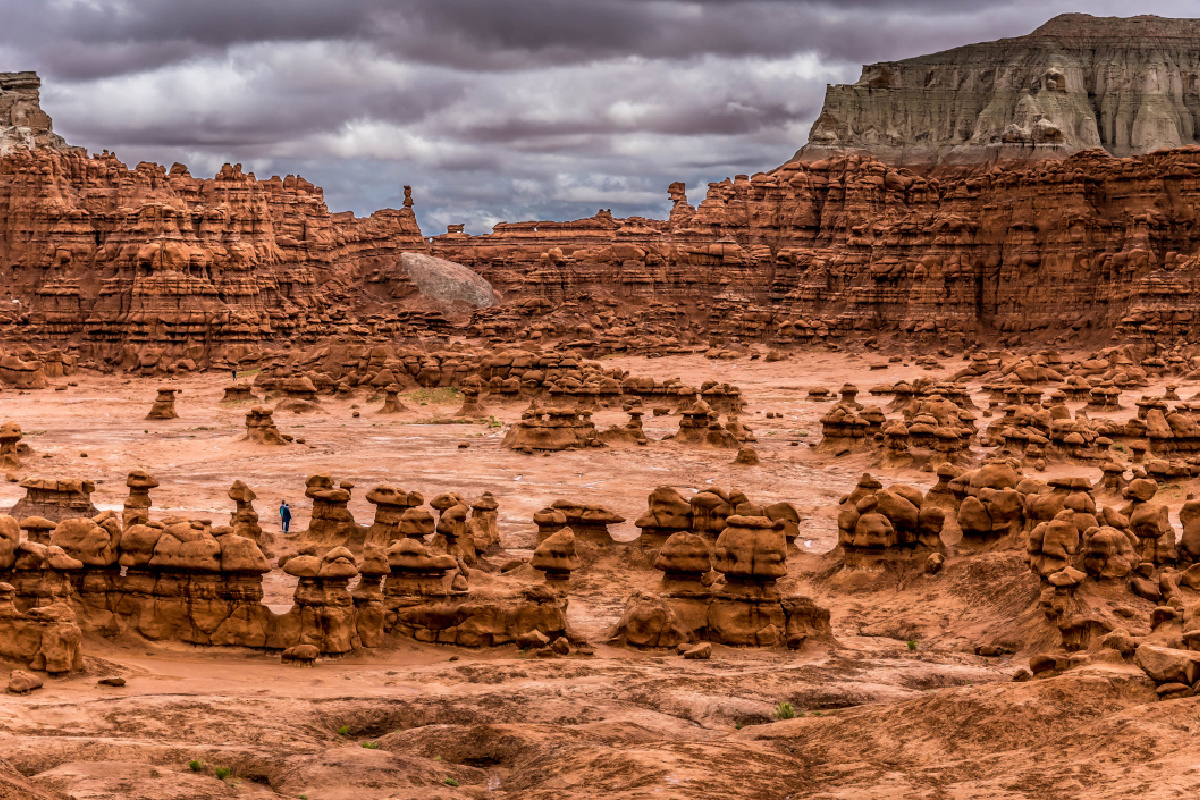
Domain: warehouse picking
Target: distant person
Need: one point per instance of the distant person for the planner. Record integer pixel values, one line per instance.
(234, 371)
(285, 515)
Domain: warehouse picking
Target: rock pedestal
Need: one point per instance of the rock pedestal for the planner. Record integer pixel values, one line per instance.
(391, 401)
(164, 405)
(137, 505)
(10, 443)
(331, 524)
(244, 519)
(668, 513)
(260, 427)
(390, 507)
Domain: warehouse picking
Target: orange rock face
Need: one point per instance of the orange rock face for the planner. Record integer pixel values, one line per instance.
(822, 248)
(103, 254)
(132, 265)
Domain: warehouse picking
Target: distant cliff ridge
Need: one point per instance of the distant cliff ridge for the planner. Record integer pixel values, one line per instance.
(1128, 85)
(22, 121)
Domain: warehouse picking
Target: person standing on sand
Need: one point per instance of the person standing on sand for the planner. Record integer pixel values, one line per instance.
(285, 515)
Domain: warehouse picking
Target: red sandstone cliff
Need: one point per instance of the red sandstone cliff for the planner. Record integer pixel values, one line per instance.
(93, 250)
(850, 243)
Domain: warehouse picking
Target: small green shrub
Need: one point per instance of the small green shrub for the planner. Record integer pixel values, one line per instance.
(913, 645)
(222, 773)
(371, 745)
(737, 726)
(450, 782)
(437, 758)
(195, 765)
(784, 711)
(344, 730)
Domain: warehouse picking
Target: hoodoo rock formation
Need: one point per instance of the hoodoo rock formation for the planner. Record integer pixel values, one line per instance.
(1128, 85)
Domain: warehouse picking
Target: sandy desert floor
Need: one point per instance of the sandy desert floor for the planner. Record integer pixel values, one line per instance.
(874, 717)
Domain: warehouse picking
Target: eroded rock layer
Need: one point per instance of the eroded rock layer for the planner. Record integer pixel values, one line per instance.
(850, 244)
(1129, 85)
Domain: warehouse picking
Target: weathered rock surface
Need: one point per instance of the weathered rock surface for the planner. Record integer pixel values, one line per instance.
(447, 282)
(22, 121)
(1078, 82)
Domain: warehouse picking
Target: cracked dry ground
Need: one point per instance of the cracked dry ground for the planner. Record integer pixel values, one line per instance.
(873, 719)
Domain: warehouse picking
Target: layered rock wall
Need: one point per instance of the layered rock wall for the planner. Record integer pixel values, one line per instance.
(100, 253)
(23, 123)
(1128, 85)
(850, 243)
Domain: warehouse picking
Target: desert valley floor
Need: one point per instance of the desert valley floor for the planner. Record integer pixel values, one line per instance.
(895, 703)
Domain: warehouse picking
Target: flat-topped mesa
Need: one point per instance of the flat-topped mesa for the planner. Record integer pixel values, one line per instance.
(1127, 85)
(162, 268)
(238, 393)
(23, 123)
(55, 500)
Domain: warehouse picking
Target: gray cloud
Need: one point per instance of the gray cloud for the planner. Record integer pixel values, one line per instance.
(491, 110)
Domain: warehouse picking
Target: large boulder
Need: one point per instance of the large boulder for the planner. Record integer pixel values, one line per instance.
(447, 282)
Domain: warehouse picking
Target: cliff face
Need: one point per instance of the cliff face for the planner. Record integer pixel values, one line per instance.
(851, 244)
(99, 253)
(1128, 85)
(23, 123)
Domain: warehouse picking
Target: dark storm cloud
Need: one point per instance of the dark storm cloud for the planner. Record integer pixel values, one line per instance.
(113, 36)
(491, 109)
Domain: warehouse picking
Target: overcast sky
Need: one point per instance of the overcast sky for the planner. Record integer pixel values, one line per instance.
(491, 109)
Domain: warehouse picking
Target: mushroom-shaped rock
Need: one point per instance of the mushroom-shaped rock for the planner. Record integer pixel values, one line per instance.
(684, 556)
(549, 521)
(38, 529)
(337, 564)
(556, 556)
(752, 550)
(415, 523)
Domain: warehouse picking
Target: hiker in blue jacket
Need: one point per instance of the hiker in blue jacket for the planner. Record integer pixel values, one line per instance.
(285, 515)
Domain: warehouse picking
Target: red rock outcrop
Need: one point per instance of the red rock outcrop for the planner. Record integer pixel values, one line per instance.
(830, 247)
